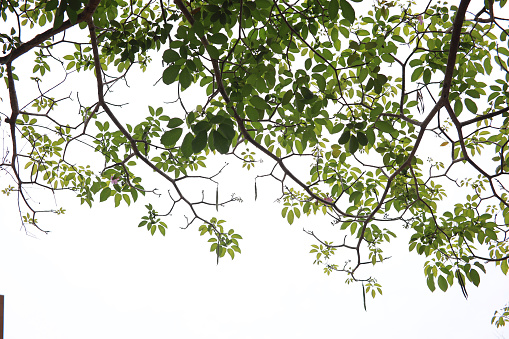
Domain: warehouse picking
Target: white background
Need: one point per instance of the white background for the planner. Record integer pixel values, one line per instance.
(96, 275)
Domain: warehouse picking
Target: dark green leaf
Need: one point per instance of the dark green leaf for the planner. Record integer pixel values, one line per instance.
(362, 139)
(174, 122)
(252, 113)
(218, 38)
(185, 78)
(306, 93)
(170, 74)
(353, 145)
(200, 142)
(186, 148)
(333, 9)
(287, 97)
(170, 138)
(347, 10)
(227, 131)
(220, 143)
(201, 126)
(51, 5)
(75, 5)
(343, 139)
(370, 134)
(170, 56)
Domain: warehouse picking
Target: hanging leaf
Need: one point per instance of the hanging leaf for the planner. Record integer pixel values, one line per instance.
(347, 11)
(170, 138)
(343, 139)
(333, 9)
(187, 148)
(200, 142)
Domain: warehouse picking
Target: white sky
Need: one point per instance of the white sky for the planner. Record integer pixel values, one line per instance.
(97, 275)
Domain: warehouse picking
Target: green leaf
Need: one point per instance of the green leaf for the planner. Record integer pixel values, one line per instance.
(333, 9)
(218, 39)
(353, 145)
(426, 76)
(259, 103)
(474, 277)
(170, 56)
(458, 107)
(170, 138)
(201, 126)
(384, 126)
(252, 113)
(187, 148)
(51, 5)
(431, 283)
(370, 134)
(347, 10)
(442, 283)
(306, 93)
(287, 97)
(118, 199)
(75, 5)
(471, 106)
(290, 217)
(227, 131)
(213, 52)
(105, 194)
(417, 73)
(170, 74)
(362, 139)
(185, 78)
(220, 143)
(200, 142)
(343, 139)
(174, 122)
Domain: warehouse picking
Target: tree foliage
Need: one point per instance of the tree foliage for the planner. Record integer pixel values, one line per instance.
(393, 107)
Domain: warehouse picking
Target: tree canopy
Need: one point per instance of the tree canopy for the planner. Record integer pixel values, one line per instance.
(382, 115)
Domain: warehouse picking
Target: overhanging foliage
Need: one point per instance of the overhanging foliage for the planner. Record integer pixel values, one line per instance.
(354, 95)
